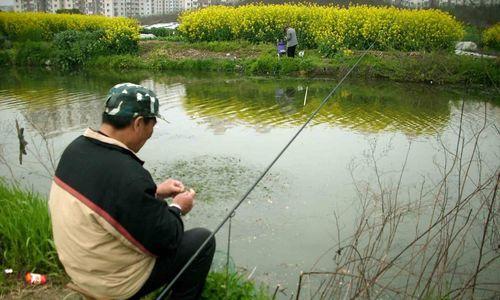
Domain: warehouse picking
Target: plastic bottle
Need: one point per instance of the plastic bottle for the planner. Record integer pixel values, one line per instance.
(35, 279)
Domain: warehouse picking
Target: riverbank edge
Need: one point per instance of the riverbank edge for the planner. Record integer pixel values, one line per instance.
(261, 60)
(428, 68)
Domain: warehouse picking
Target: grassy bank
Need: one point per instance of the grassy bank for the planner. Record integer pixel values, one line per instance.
(26, 240)
(26, 245)
(249, 59)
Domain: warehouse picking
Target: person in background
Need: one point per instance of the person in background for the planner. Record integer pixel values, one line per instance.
(291, 41)
(115, 235)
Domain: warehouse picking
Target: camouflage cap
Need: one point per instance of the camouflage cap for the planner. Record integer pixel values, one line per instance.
(132, 100)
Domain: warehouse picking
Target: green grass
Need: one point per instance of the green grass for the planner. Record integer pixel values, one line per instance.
(26, 244)
(473, 34)
(220, 285)
(26, 241)
(250, 59)
(260, 59)
(234, 286)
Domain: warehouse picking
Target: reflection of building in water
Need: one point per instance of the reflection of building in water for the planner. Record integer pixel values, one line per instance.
(219, 126)
(64, 116)
(285, 99)
(263, 128)
(169, 95)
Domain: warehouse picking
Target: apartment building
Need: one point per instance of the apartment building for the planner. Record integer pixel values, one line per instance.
(30, 5)
(110, 8)
(192, 4)
(437, 3)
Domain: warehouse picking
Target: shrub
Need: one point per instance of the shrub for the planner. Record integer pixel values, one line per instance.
(75, 48)
(160, 32)
(165, 34)
(491, 36)
(68, 11)
(331, 28)
(33, 53)
(6, 57)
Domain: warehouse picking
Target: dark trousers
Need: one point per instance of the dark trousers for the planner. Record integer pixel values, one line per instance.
(190, 284)
(290, 51)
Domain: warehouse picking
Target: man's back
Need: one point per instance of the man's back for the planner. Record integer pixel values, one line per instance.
(101, 202)
(114, 232)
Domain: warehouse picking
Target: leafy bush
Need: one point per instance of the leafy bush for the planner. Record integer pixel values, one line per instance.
(164, 34)
(491, 36)
(121, 33)
(331, 28)
(160, 32)
(75, 48)
(6, 57)
(5, 43)
(68, 11)
(33, 53)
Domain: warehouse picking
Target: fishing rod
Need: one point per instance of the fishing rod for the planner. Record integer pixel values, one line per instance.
(232, 211)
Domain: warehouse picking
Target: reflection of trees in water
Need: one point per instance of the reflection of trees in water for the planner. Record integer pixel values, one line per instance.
(64, 102)
(364, 108)
(63, 116)
(58, 103)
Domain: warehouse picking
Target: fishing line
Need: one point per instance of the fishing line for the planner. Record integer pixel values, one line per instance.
(232, 211)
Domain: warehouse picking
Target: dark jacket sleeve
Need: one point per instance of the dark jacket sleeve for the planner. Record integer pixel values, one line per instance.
(151, 222)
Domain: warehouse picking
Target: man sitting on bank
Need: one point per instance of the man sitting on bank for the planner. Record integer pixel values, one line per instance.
(115, 235)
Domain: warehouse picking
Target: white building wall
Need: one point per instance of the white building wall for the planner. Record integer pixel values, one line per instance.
(29, 5)
(145, 8)
(108, 8)
(189, 4)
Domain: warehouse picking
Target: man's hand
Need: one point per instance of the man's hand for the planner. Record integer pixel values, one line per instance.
(169, 188)
(185, 200)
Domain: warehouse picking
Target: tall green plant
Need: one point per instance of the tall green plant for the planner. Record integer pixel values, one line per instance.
(220, 285)
(26, 234)
(75, 48)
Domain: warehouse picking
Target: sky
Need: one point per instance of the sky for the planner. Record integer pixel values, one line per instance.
(6, 2)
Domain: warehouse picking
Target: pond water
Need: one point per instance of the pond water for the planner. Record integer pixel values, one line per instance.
(224, 130)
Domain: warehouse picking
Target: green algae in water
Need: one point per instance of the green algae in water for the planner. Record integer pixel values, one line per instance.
(219, 178)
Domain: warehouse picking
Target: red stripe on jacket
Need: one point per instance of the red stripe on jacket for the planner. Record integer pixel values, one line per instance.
(101, 212)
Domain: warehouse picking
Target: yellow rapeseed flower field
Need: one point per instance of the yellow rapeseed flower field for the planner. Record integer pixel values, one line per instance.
(491, 36)
(43, 26)
(329, 27)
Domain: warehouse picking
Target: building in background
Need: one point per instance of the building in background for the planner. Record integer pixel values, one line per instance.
(111, 8)
(438, 3)
(7, 5)
(133, 8)
(30, 5)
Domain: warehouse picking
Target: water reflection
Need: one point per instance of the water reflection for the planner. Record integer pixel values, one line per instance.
(365, 108)
(22, 142)
(285, 99)
(59, 103)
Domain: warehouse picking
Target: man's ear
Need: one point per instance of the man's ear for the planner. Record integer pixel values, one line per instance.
(137, 123)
